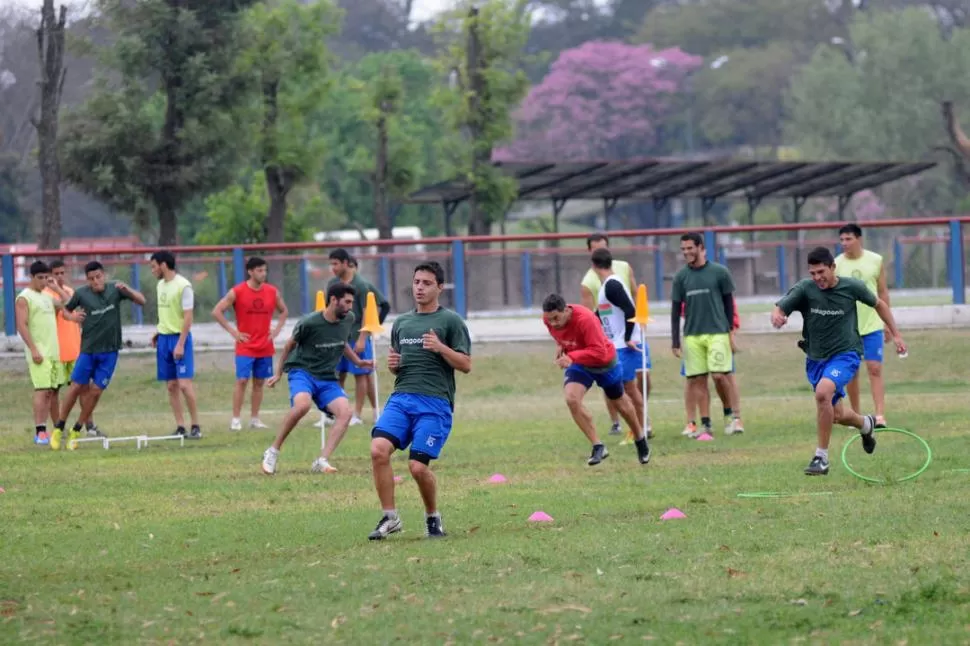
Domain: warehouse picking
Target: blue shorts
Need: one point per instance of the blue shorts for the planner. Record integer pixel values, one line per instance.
(346, 365)
(610, 381)
(683, 369)
(872, 345)
(840, 369)
(321, 391)
(167, 368)
(632, 361)
(255, 367)
(98, 368)
(422, 421)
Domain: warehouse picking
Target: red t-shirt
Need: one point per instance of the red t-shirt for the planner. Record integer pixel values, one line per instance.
(583, 339)
(737, 319)
(254, 316)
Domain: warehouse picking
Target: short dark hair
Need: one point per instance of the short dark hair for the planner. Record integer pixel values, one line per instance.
(338, 290)
(602, 258)
(554, 303)
(696, 238)
(57, 263)
(39, 267)
(164, 257)
(352, 262)
(432, 267)
(596, 237)
(851, 228)
(94, 265)
(821, 256)
(255, 263)
(340, 254)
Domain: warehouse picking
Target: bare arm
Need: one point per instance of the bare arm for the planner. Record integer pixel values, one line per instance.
(886, 314)
(633, 281)
(355, 358)
(586, 298)
(284, 313)
(457, 360)
(187, 319)
(23, 328)
(133, 295)
(219, 314)
(278, 374)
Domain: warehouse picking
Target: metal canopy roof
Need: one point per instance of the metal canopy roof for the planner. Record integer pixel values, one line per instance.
(663, 179)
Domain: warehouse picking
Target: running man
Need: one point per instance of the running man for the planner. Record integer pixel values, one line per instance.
(703, 291)
(589, 290)
(615, 309)
(344, 268)
(867, 266)
(834, 348)
(174, 358)
(428, 344)
(36, 316)
(310, 360)
(100, 304)
(588, 357)
(253, 301)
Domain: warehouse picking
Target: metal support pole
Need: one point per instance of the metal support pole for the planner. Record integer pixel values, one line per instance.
(526, 279)
(239, 268)
(306, 306)
(384, 275)
(137, 312)
(782, 269)
(609, 203)
(844, 202)
(221, 278)
(9, 296)
(897, 264)
(658, 275)
(458, 278)
(710, 244)
(557, 207)
(957, 263)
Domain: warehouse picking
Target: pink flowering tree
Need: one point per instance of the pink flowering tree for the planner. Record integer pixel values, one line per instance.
(865, 206)
(603, 100)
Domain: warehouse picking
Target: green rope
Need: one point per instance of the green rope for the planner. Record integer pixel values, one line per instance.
(915, 474)
(777, 494)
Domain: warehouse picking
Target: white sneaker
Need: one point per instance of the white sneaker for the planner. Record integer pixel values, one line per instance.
(735, 427)
(690, 430)
(355, 421)
(256, 423)
(325, 421)
(235, 424)
(320, 465)
(270, 456)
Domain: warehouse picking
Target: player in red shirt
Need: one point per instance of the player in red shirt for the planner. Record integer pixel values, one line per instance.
(588, 357)
(254, 301)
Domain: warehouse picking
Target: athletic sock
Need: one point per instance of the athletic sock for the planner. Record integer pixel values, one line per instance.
(390, 513)
(866, 425)
(77, 427)
(60, 424)
(706, 422)
(89, 425)
(727, 412)
(436, 514)
(40, 428)
(822, 453)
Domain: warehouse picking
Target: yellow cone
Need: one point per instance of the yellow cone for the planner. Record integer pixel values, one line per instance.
(321, 301)
(372, 322)
(643, 309)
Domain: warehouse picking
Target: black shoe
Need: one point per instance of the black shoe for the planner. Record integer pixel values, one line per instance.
(435, 530)
(598, 455)
(643, 450)
(180, 431)
(194, 434)
(819, 466)
(615, 429)
(869, 439)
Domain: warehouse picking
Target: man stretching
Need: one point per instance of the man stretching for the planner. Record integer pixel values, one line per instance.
(588, 357)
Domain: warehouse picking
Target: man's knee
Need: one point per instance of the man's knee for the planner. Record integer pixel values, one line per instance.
(874, 368)
(381, 449)
(574, 397)
(419, 465)
(341, 410)
(242, 381)
(172, 386)
(302, 402)
(824, 392)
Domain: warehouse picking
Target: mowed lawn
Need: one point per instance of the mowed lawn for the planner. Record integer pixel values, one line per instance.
(195, 545)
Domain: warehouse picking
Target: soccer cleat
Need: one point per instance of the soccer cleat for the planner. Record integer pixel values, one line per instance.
(869, 438)
(42, 438)
(72, 438)
(94, 431)
(385, 527)
(257, 423)
(649, 429)
(615, 429)
(880, 421)
(235, 424)
(690, 430)
(598, 455)
(55, 439)
(179, 431)
(195, 433)
(643, 450)
(356, 420)
(734, 427)
(819, 466)
(627, 439)
(434, 527)
(320, 465)
(270, 456)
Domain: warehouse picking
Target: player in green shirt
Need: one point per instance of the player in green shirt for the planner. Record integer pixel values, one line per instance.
(310, 360)
(428, 344)
(828, 307)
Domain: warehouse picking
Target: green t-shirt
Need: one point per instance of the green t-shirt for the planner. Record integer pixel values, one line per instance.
(174, 297)
(42, 323)
(101, 329)
(831, 323)
(423, 372)
(703, 292)
(319, 345)
(360, 301)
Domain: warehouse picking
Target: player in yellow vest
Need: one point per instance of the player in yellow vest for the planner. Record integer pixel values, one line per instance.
(174, 358)
(589, 290)
(867, 266)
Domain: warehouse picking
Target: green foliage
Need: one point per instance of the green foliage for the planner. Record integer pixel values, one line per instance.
(14, 221)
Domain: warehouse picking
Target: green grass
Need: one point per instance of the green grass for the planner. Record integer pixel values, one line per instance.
(194, 545)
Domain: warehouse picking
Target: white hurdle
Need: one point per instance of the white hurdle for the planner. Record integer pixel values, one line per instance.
(102, 440)
(108, 441)
(145, 439)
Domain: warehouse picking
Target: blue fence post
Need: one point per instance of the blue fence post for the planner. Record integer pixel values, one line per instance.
(458, 269)
(526, 279)
(838, 248)
(722, 256)
(658, 275)
(239, 268)
(710, 244)
(782, 269)
(136, 310)
(957, 263)
(305, 304)
(9, 297)
(897, 263)
(384, 276)
(221, 279)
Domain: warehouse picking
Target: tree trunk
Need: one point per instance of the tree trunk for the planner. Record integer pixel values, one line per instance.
(478, 219)
(278, 189)
(381, 218)
(50, 51)
(167, 222)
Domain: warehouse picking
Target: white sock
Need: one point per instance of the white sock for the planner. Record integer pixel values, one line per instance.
(434, 515)
(866, 425)
(822, 453)
(390, 513)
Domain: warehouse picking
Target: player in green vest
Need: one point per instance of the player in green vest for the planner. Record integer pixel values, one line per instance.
(867, 266)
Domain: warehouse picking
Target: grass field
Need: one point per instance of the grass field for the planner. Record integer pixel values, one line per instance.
(194, 545)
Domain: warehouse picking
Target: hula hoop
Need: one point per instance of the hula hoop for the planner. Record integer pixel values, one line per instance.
(777, 494)
(915, 474)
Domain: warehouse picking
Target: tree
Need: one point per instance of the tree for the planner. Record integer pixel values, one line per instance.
(162, 124)
(288, 58)
(50, 52)
(602, 100)
(483, 53)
